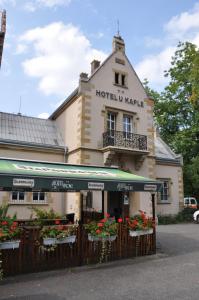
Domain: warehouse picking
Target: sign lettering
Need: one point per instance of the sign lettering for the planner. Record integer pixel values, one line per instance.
(110, 96)
(23, 182)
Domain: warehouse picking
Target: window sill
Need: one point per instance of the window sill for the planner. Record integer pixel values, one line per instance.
(121, 86)
(26, 203)
(164, 202)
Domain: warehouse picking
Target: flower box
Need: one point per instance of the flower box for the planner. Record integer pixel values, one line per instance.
(49, 241)
(134, 233)
(10, 244)
(93, 238)
(66, 240)
(53, 241)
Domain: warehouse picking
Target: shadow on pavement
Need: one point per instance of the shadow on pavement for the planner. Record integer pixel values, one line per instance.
(175, 244)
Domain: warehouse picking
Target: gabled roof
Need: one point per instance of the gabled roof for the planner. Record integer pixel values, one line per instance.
(29, 131)
(164, 153)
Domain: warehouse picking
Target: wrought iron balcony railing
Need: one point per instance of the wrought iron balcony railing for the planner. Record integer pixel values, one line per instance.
(125, 140)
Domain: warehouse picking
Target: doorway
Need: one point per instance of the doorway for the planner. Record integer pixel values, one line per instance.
(117, 206)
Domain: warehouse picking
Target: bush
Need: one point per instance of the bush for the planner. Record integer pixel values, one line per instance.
(186, 215)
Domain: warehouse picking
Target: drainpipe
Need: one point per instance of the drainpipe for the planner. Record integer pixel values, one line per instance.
(63, 199)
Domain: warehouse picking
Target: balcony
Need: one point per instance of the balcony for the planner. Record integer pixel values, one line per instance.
(121, 139)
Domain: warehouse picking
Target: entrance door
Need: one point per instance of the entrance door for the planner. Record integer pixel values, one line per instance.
(115, 204)
(118, 205)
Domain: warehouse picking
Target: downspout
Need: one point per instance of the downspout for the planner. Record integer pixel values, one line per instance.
(63, 198)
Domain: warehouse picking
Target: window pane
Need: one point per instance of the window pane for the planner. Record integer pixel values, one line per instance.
(42, 196)
(21, 195)
(117, 78)
(35, 196)
(123, 79)
(14, 195)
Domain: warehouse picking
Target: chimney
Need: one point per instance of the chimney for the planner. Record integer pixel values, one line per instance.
(94, 65)
(83, 76)
(118, 44)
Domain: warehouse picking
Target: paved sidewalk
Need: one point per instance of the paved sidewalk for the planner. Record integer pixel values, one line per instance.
(171, 274)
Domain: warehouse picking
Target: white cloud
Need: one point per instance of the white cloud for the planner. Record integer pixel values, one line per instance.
(186, 21)
(43, 115)
(6, 2)
(33, 5)
(182, 27)
(153, 67)
(61, 53)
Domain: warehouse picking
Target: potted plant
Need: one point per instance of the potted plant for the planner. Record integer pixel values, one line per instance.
(58, 234)
(9, 233)
(105, 229)
(140, 225)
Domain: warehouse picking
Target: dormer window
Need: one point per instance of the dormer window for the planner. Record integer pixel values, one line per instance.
(120, 79)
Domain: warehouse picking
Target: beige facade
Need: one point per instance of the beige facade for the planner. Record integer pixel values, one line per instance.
(108, 121)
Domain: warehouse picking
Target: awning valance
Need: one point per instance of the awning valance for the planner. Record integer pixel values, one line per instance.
(56, 177)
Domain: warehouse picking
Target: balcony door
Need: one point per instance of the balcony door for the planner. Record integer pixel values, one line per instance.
(127, 127)
(111, 127)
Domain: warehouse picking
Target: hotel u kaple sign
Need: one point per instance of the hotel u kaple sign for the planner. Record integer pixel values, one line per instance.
(22, 182)
(119, 98)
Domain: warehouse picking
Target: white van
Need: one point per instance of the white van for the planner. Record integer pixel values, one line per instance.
(190, 202)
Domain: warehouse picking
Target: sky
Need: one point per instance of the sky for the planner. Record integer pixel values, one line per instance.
(50, 42)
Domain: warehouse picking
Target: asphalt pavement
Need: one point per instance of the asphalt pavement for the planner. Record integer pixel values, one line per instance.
(173, 273)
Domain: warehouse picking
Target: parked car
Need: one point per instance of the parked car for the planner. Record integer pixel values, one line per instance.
(190, 202)
(196, 216)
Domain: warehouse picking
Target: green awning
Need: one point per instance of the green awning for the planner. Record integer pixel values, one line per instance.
(55, 177)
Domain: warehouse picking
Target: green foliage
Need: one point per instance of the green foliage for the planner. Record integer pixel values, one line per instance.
(140, 222)
(60, 232)
(103, 228)
(9, 229)
(3, 211)
(177, 111)
(186, 215)
(43, 214)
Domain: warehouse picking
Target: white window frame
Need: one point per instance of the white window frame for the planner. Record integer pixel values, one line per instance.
(127, 126)
(111, 123)
(17, 201)
(164, 194)
(38, 201)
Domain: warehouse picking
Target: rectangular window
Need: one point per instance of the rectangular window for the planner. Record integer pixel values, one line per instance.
(111, 123)
(127, 126)
(120, 79)
(163, 195)
(116, 78)
(17, 196)
(123, 80)
(39, 197)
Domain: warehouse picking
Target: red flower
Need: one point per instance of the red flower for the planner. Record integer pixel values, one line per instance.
(4, 223)
(120, 220)
(107, 215)
(100, 224)
(98, 231)
(14, 224)
(57, 222)
(127, 219)
(103, 220)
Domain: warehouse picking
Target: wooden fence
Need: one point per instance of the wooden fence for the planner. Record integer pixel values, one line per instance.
(30, 257)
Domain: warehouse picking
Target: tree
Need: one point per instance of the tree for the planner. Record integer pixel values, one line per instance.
(177, 109)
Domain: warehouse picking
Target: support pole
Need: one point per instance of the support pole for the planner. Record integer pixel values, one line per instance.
(154, 220)
(102, 204)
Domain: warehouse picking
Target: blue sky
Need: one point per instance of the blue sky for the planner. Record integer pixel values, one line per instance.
(50, 42)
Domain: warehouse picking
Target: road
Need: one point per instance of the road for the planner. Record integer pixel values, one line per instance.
(173, 273)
